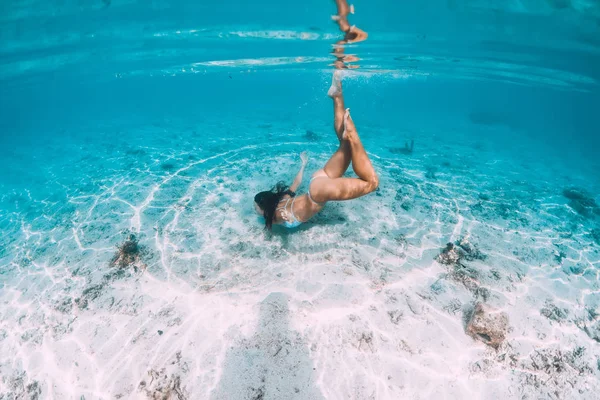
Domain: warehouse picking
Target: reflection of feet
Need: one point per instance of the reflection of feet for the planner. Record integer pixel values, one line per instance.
(336, 85)
(355, 35)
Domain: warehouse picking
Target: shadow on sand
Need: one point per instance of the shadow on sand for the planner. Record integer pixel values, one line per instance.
(271, 364)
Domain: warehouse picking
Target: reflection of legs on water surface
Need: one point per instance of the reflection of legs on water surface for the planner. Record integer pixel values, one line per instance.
(352, 34)
(342, 16)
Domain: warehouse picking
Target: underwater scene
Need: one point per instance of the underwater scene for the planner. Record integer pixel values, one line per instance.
(441, 241)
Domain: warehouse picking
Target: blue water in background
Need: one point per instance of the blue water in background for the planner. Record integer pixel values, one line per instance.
(105, 99)
(69, 66)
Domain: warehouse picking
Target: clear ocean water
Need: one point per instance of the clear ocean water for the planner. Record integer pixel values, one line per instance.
(149, 126)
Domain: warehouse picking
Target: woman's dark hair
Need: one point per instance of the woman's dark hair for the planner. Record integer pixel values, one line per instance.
(267, 201)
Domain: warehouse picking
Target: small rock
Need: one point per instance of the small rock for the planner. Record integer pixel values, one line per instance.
(129, 253)
(488, 325)
(577, 269)
(395, 316)
(554, 313)
(582, 202)
(167, 166)
(455, 253)
(449, 255)
(482, 293)
(311, 136)
(574, 194)
(559, 256)
(469, 251)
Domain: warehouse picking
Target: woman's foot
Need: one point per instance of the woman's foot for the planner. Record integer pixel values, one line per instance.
(349, 128)
(336, 85)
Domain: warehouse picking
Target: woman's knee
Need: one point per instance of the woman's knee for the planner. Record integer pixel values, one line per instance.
(373, 183)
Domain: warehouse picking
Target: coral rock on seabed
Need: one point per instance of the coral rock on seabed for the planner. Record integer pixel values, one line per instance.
(488, 325)
(582, 202)
(449, 255)
(129, 253)
(460, 250)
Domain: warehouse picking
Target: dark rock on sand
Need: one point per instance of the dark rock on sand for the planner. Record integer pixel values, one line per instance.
(577, 269)
(470, 252)
(167, 166)
(554, 313)
(582, 202)
(575, 194)
(89, 294)
(449, 256)
(407, 149)
(311, 136)
(488, 325)
(454, 255)
(163, 386)
(20, 386)
(460, 250)
(468, 276)
(590, 324)
(559, 256)
(129, 253)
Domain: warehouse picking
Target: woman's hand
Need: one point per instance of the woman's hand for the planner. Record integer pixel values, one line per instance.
(298, 180)
(304, 158)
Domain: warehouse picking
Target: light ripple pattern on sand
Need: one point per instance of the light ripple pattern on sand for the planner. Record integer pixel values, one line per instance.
(354, 302)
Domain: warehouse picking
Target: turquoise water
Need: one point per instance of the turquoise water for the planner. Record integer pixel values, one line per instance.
(163, 119)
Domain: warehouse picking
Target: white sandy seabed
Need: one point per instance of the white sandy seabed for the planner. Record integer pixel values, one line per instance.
(352, 305)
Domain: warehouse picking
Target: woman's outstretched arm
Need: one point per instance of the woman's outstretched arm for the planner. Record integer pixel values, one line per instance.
(298, 179)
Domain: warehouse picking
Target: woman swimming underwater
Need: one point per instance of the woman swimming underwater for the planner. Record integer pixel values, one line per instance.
(281, 205)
